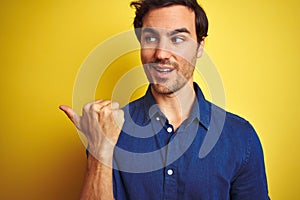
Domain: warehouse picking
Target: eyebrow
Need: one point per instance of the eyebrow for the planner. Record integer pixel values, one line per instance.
(149, 30)
(180, 30)
(171, 33)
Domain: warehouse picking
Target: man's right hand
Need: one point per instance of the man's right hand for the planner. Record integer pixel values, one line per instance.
(101, 122)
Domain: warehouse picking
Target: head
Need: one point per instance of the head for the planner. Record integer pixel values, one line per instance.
(171, 34)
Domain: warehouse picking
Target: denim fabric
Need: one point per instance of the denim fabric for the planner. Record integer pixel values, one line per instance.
(213, 155)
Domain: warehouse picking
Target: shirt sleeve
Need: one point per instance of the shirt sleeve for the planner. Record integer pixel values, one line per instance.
(250, 183)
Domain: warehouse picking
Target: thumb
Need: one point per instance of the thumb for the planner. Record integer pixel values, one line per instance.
(72, 115)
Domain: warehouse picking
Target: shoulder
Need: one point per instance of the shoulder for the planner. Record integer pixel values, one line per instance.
(229, 121)
(234, 130)
(238, 123)
(230, 132)
(242, 136)
(239, 130)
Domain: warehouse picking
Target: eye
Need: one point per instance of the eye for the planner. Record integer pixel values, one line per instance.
(177, 40)
(150, 39)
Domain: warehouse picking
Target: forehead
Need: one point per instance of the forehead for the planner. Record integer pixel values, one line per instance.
(171, 18)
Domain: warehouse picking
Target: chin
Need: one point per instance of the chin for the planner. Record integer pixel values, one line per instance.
(161, 89)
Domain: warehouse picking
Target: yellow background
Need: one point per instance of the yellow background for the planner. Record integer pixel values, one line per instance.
(255, 45)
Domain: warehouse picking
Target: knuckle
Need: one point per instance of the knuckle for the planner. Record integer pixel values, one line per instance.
(115, 104)
(106, 111)
(86, 107)
(94, 107)
(105, 102)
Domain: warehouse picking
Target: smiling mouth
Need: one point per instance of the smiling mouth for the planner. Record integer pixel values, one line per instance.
(162, 69)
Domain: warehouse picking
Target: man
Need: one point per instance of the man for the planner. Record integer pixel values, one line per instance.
(157, 152)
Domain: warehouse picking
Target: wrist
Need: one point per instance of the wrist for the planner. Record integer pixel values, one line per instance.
(102, 154)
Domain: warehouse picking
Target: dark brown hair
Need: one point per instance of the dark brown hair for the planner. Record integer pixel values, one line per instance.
(144, 6)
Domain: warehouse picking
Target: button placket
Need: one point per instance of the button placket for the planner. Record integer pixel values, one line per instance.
(170, 183)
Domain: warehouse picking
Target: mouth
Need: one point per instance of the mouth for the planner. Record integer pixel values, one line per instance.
(163, 70)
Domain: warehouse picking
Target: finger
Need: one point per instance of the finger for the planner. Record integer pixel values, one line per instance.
(86, 108)
(72, 115)
(110, 105)
(115, 105)
(94, 108)
(99, 101)
(98, 105)
(103, 103)
(118, 116)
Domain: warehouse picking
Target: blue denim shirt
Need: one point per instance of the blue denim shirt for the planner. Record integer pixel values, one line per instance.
(213, 155)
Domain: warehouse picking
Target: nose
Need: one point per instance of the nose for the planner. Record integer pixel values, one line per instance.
(162, 51)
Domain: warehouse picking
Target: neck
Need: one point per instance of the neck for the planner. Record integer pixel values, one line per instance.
(176, 106)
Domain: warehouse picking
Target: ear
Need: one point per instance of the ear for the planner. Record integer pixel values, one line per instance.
(200, 48)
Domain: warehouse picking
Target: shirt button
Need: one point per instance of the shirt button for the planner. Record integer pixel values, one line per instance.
(157, 118)
(169, 129)
(170, 172)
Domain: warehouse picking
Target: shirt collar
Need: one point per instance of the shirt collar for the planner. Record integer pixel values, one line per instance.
(200, 109)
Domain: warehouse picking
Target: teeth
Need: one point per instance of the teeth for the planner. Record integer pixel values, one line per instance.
(164, 70)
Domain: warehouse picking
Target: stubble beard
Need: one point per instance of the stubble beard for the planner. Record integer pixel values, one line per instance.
(165, 86)
(162, 88)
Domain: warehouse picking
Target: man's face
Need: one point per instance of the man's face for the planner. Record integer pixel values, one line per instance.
(169, 47)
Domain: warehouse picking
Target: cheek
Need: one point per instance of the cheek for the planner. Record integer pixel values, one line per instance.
(147, 55)
(187, 59)
(187, 53)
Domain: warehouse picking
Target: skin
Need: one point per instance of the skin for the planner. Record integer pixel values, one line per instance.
(168, 53)
(101, 122)
(169, 48)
